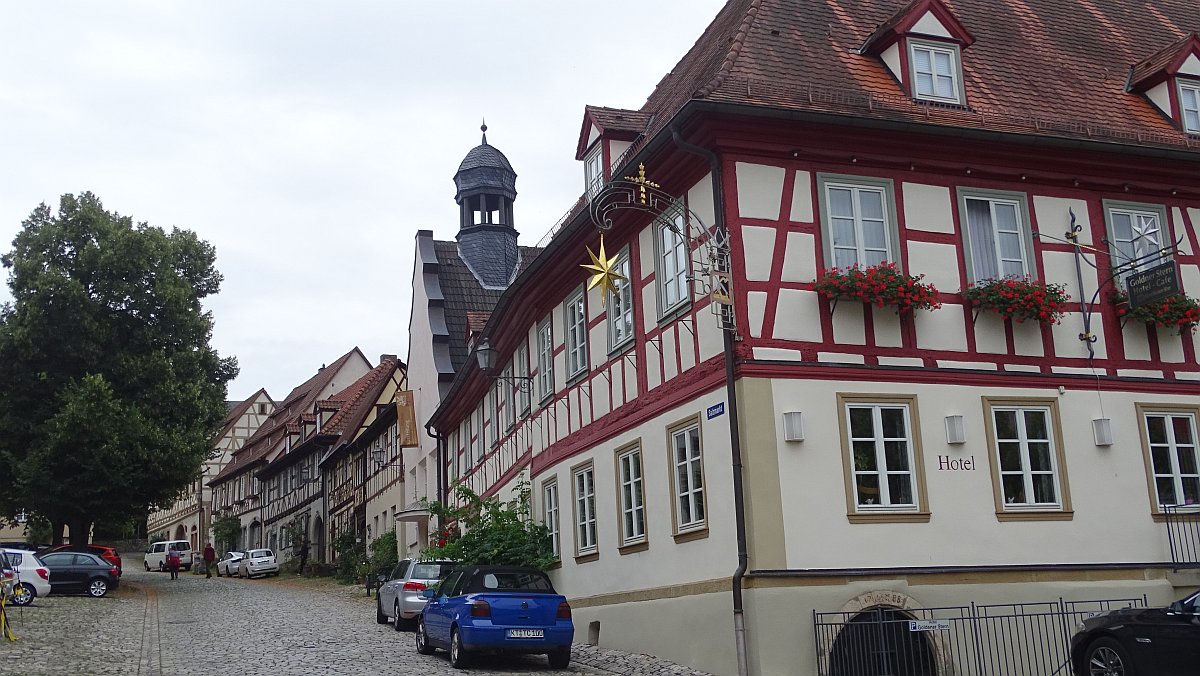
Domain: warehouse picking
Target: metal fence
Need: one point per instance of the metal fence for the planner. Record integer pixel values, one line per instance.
(1183, 532)
(1023, 639)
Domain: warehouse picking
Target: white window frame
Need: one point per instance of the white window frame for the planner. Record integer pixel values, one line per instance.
(620, 306)
(672, 262)
(687, 477)
(1189, 116)
(550, 514)
(955, 76)
(631, 488)
(1025, 471)
(480, 440)
(583, 491)
(1139, 214)
(545, 353)
(593, 170)
(1173, 448)
(857, 186)
(521, 372)
(575, 326)
(507, 400)
(991, 246)
(883, 472)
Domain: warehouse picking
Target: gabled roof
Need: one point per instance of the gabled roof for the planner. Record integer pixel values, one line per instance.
(238, 410)
(1037, 67)
(627, 124)
(1163, 63)
(298, 401)
(905, 20)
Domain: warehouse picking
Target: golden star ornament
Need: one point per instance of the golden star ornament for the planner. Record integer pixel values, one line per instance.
(604, 273)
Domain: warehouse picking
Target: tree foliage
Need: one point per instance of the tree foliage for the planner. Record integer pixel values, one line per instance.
(111, 393)
(227, 530)
(486, 531)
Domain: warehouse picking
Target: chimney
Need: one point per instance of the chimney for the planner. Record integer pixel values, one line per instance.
(388, 357)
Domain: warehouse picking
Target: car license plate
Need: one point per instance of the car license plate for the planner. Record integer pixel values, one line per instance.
(526, 633)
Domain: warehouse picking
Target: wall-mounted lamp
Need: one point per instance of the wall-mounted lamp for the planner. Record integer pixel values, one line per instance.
(1102, 431)
(793, 426)
(956, 432)
(485, 355)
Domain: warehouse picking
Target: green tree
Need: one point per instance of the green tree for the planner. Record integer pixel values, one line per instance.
(226, 531)
(483, 530)
(111, 392)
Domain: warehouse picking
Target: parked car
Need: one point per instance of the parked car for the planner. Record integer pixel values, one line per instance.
(8, 578)
(228, 564)
(496, 609)
(399, 599)
(105, 552)
(32, 578)
(1156, 641)
(156, 555)
(79, 572)
(258, 562)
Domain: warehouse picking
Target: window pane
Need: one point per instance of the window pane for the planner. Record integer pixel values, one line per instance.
(861, 425)
(1160, 458)
(874, 234)
(1035, 425)
(843, 232)
(896, 454)
(941, 60)
(893, 422)
(1156, 426)
(1014, 489)
(1191, 491)
(1010, 456)
(1006, 424)
(900, 489)
(1043, 489)
(868, 489)
(864, 456)
(924, 63)
(1187, 461)
(871, 202)
(1183, 429)
(1039, 457)
(841, 203)
(1166, 491)
(979, 227)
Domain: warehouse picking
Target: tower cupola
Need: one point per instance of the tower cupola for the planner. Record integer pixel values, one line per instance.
(487, 240)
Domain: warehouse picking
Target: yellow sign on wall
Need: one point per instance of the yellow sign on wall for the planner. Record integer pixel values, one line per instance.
(406, 419)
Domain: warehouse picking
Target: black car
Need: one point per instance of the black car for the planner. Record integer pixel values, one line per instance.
(78, 573)
(1140, 641)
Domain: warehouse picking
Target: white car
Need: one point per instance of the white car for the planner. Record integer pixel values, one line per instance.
(229, 564)
(32, 579)
(156, 555)
(258, 562)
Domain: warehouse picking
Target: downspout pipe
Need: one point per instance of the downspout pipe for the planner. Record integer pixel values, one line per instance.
(441, 471)
(735, 437)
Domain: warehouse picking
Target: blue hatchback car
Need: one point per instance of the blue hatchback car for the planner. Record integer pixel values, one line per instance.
(496, 609)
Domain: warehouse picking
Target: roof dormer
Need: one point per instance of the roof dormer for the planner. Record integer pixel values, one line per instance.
(607, 133)
(922, 46)
(1170, 79)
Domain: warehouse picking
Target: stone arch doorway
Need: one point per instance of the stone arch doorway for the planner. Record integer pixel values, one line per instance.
(254, 535)
(180, 533)
(878, 642)
(318, 540)
(195, 539)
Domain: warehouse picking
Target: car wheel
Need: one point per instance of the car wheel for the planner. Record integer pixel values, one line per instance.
(560, 658)
(23, 595)
(218, 571)
(1106, 657)
(423, 645)
(398, 622)
(161, 567)
(98, 587)
(380, 618)
(458, 654)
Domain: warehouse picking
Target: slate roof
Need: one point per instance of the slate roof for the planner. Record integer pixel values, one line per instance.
(298, 401)
(1037, 67)
(463, 294)
(485, 169)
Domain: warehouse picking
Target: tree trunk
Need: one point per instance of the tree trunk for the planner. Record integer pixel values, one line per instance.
(56, 532)
(81, 528)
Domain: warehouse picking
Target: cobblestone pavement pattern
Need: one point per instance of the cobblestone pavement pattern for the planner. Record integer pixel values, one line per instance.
(153, 626)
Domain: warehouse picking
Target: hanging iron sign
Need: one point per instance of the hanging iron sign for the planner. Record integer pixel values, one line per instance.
(1152, 285)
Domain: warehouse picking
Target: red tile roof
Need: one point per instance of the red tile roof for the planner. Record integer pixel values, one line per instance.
(1165, 62)
(1037, 67)
(908, 15)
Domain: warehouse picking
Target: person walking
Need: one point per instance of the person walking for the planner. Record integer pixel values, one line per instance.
(303, 556)
(173, 563)
(210, 555)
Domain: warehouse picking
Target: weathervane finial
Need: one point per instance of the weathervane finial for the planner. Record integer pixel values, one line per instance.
(483, 128)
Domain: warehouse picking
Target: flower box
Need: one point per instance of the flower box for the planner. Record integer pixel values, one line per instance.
(881, 285)
(1019, 299)
(1179, 311)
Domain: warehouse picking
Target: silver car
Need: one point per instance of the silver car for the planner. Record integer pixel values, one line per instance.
(32, 578)
(228, 564)
(399, 599)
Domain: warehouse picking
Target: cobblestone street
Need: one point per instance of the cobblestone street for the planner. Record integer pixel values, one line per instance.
(271, 627)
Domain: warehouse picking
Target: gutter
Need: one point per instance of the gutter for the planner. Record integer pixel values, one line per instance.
(735, 439)
(441, 465)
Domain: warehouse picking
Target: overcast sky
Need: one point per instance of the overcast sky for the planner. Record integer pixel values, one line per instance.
(309, 141)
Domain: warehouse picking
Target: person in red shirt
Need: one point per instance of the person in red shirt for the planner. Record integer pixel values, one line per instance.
(210, 555)
(173, 562)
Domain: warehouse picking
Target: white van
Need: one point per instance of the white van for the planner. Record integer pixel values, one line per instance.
(156, 556)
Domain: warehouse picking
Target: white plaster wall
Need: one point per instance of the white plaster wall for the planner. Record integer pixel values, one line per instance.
(616, 149)
(1107, 484)
(887, 328)
(797, 316)
(758, 245)
(1059, 267)
(760, 190)
(1191, 66)
(1027, 339)
(756, 306)
(891, 59)
(670, 348)
(712, 342)
(1189, 276)
(930, 25)
(700, 201)
(938, 262)
(1053, 216)
(1179, 230)
(943, 329)
(848, 325)
(800, 258)
(802, 198)
(1170, 346)
(989, 333)
(928, 208)
(1066, 337)
(1160, 96)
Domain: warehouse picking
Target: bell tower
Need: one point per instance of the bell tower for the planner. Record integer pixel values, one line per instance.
(487, 239)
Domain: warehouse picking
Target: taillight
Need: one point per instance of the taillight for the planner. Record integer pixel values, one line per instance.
(114, 571)
(480, 609)
(564, 611)
(413, 587)
(43, 573)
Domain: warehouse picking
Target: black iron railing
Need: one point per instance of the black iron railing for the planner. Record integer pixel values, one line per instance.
(1025, 639)
(1183, 533)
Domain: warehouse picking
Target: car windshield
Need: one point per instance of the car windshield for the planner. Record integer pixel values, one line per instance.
(181, 546)
(526, 581)
(431, 571)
